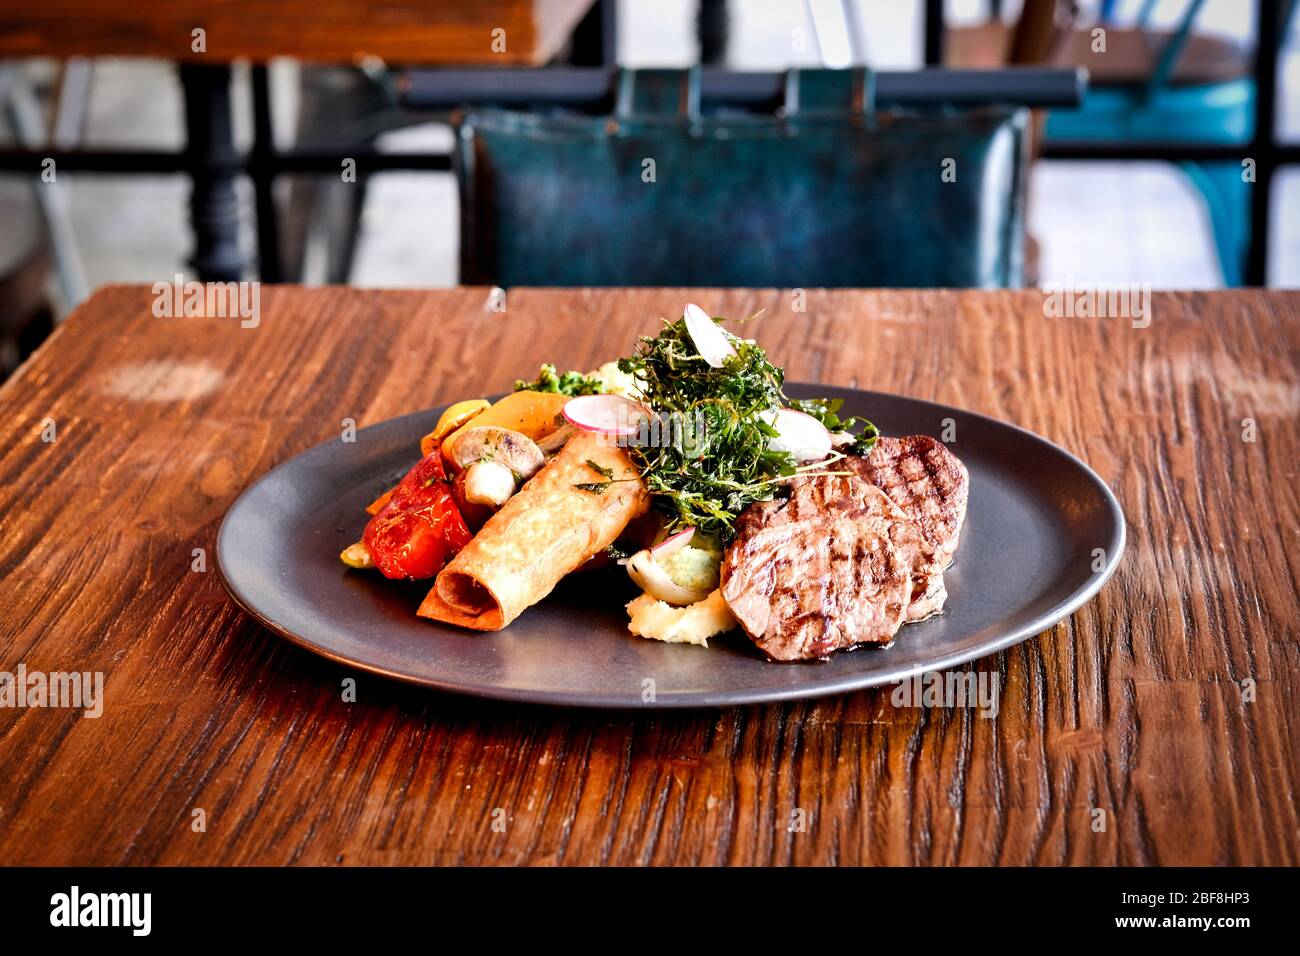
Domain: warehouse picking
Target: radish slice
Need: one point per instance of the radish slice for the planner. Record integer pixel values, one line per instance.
(710, 341)
(651, 577)
(673, 544)
(606, 414)
(799, 434)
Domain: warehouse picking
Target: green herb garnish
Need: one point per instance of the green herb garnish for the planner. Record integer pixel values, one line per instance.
(570, 383)
(598, 487)
(711, 459)
(708, 457)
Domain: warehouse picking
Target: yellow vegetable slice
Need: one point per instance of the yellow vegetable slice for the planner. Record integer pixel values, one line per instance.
(357, 556)
(455, 417)
(534, 414)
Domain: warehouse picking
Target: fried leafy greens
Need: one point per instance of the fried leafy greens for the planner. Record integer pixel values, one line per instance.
(712, 457)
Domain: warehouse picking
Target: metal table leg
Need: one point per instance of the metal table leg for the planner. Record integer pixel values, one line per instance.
(712, 31)
(1269, 30)
(934, 32)
(595, 38)
(262, 171)
(213, 166)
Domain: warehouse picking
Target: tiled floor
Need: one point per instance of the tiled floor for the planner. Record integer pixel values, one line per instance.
(1096, 222)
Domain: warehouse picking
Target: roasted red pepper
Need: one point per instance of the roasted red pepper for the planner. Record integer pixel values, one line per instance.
(420, 528)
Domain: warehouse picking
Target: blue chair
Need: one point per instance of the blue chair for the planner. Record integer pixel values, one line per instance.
(826, 192)
(1163, 109)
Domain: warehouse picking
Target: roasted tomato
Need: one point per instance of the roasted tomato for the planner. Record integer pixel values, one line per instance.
(420, 528)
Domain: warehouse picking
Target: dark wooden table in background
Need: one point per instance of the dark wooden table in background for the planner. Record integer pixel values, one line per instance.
(320, 31)
(483, 33)
(1135, 706)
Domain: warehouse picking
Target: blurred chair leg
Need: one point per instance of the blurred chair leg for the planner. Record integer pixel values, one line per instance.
(834, 25)
(1036, 32)
(71, 101)
(321, 217)
(331, 231)
(25, 316)
(23, 113)
(344, 225)
(1227, 203)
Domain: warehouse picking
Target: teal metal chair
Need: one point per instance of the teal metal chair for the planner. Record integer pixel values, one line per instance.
(1162, 110)
(824, 192)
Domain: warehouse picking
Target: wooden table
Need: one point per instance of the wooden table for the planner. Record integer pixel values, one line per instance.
(1134, 706)
(205, 38)
(328, 31)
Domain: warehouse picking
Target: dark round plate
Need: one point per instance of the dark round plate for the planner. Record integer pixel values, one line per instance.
(1038, 524)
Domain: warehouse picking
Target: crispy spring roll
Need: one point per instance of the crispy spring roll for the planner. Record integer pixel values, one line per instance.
(546, 530)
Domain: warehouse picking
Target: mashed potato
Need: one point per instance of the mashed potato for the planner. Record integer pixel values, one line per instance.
(615, 381)
(693, 624)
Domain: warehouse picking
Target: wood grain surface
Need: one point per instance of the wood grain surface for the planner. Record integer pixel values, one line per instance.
(459, 32)
(1169, 703)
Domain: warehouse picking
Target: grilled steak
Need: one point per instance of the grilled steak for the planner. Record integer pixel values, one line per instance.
(928, 595)
(836, 564)
(927, 481)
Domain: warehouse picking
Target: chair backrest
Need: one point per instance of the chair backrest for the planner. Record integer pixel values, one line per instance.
(824, 193)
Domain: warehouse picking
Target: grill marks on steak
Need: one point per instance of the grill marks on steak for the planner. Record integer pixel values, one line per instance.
(927, 481)
(848, 559)
(835, 564)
